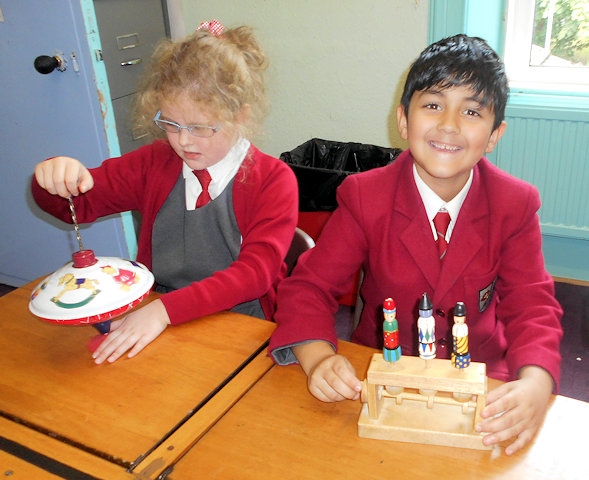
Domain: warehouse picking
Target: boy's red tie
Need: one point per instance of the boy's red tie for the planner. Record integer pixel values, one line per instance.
(441, 222)
(204, 177)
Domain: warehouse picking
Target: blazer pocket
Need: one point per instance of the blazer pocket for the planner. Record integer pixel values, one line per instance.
(481, 289)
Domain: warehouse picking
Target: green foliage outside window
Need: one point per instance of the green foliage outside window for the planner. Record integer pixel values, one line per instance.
(561, 28)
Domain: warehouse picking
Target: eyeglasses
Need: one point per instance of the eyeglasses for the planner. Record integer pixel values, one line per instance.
(196, 130)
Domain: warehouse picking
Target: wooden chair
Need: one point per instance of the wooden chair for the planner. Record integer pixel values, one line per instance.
(300, 243)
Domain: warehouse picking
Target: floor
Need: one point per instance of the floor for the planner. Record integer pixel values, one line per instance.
(574, 347)
(4, 289)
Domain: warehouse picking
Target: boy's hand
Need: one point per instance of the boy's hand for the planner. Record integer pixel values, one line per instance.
(330, 377)
(63, 176)
(134, 332)
(517, 409)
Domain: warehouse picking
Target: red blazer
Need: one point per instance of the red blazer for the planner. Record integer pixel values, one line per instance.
(493, 264)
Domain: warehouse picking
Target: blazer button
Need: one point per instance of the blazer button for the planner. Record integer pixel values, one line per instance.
(440, 312)
(442, 344)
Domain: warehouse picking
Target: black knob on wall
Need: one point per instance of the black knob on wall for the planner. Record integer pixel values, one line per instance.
(45, 64)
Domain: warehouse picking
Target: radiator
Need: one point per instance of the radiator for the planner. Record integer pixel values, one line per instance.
(553, 155)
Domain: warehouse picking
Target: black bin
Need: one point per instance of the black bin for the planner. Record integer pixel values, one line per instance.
(321, 166)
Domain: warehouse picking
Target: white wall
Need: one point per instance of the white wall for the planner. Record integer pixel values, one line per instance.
(336, 66)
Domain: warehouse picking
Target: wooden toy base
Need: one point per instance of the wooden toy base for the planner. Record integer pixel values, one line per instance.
(431, 402)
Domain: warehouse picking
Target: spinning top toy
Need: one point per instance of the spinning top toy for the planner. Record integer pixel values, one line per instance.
(90, 290)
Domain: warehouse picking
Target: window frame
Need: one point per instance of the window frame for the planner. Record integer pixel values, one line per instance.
(488, 20)
(522, 76)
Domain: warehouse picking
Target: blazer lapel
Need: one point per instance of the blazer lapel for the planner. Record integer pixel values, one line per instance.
(422, 249)
(417, 235)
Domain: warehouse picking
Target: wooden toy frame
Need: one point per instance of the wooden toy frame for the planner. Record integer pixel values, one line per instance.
(423, 401)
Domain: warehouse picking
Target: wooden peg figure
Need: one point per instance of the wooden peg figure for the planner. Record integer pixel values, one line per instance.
(391, 350)
(426, 327)
(460, 356)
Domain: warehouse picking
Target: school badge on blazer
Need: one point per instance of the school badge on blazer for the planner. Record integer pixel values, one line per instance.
(485, 295)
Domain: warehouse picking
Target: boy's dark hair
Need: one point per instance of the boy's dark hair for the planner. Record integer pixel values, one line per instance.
(460, 60)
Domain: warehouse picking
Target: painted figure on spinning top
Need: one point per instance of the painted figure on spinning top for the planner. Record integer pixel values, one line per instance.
(426, 329)
(460, 356)
(391, 350)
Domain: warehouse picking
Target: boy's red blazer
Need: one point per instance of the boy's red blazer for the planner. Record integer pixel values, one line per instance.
(494, 264)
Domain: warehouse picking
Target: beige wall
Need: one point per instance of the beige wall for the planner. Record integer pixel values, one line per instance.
(336, 66)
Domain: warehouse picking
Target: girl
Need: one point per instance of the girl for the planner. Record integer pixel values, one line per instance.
(213, 244)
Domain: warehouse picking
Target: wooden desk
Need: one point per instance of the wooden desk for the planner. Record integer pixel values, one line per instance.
(277, 430)
(55, 400)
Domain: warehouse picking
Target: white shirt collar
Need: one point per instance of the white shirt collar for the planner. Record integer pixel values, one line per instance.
(221, 173)
(433, 204)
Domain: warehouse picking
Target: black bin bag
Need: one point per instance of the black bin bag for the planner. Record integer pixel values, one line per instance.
(321, 165)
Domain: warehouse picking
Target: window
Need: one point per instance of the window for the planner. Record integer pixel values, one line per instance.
(547, 45)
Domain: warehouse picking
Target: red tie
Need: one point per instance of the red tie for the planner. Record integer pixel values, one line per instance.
(204, 177)
(441, 222)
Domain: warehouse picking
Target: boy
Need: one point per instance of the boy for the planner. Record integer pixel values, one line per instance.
(451, 114)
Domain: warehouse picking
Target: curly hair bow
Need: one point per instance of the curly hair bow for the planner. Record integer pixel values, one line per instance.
(215, 27)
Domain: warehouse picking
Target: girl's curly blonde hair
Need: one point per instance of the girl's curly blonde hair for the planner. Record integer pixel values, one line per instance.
(224, 73)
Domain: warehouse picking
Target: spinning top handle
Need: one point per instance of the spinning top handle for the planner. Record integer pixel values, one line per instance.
(75, 220)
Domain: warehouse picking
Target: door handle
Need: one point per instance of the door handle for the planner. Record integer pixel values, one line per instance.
(45, 64)
(128, 63)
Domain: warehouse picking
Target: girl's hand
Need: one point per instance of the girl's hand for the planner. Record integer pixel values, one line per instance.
(134, 332)
(517, 409)
(63, 176)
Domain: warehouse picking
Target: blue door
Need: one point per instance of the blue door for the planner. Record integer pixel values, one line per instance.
(43, 116)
